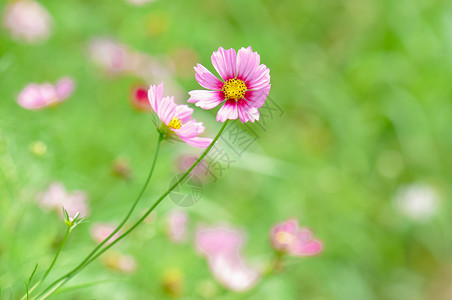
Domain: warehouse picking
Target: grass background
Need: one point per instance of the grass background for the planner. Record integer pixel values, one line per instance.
(358, 80)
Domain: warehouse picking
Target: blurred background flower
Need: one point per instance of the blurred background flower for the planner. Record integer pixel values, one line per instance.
(418, 201)
(37, 96)
(27, 20)
(353, 141)
(56, 197)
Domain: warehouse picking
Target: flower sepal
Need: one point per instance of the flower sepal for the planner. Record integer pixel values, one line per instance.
(72, 222)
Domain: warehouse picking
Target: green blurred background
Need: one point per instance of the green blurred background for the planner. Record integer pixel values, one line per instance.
(363, 85)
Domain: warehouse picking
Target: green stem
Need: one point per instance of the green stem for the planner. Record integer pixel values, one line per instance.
(68, 230)
(61, 281)
(132, 208)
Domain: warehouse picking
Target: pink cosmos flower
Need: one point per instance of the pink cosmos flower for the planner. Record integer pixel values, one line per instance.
(222, 247)
(139, 99)
(100, 231)
(57, 197)
(244, 89)
(37, 96)
(27, 20)
(288, 237)
(177, 118)
(177, 225)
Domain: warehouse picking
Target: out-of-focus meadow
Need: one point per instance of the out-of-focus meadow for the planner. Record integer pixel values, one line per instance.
(361, 153)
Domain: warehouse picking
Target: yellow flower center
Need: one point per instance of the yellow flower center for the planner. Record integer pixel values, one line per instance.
(234, 89)
(175, 123)
(285, 238)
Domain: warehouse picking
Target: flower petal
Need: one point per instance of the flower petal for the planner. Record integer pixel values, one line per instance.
(228, 111)
(260, 79)
(64, 87)
(206, 99)
(200, 142)
(247, 112)
(155, 95)
(183, 112)
(224, 62)
(167, 110)
(206, 79)
(305, 244)
(247, 63)
(190, 129)
(256, 98)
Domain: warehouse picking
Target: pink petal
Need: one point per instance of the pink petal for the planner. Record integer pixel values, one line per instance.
(206, 79)
(183, 112)
(190, 129)
(224, 62)
(155, 95)
(247, 112)
(306, 248)
(232, 272)
(228, 111)
(167, 110)
(206, 99)
(218, 241)
(247, 64)
(48, 93)
(200, 142)
(256, 98)
(260, 78)
(100, 231)
(177, 225)
(64, 87)
(31, 98)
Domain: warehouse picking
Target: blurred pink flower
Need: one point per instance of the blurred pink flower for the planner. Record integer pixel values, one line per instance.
(100, 231)
(27, 20)
(109, 54)
(119, 262)
(245, 85)
(56, 197)
(177, 225)
(139, 2)
(222, 247)
(218, 241)
(288, 237)
(37, 96)
(202, 171)
(139, 99)
(233, 273)
(177, 118)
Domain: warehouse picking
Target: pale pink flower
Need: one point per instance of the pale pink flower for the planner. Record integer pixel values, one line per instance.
(56, 197)
(177, 221)
(177, 118)
(100, 231)
(139, 2)
(233, 273)
(222, 248)
(27, 20)
(244, 89)
(110, 55)
(139, 99)
(216, 241)
(119, 262)
(37, 96)
(288, 237)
